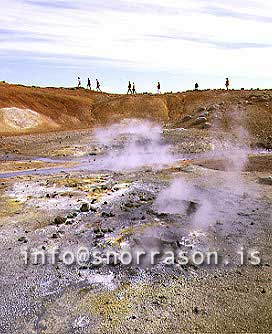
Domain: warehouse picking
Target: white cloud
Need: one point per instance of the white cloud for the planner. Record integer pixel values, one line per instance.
(198, 38)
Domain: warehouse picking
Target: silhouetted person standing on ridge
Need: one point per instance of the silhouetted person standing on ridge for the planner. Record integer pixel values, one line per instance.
(227, 83)
(129, 88)
(89, 83)
(133, 88)
(196, 86)
(98, 86)
(79, 82)
(159, 87)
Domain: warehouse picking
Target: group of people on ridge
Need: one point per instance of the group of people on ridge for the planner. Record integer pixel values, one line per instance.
(89, 84)
(226, 84)
(132, 87)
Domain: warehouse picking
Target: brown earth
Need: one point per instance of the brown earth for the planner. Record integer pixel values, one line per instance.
(60, 109)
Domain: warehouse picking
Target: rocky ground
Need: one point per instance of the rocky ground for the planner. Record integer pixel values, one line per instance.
(171, 189)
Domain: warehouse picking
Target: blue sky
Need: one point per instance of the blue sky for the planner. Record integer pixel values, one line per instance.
(178, 42)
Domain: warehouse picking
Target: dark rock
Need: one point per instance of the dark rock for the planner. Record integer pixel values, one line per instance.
(267, 180)
(22, 239)
(161, 215)
(106, 230)
(156, 302)
(186, 118)
(51, 195)
(83, 267)
(131, 205)
(107, 214)
(69, 222)
(85, 207)
(59, 220)
(196, 310)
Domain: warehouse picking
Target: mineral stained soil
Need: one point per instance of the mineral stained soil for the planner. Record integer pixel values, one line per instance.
(68, 190)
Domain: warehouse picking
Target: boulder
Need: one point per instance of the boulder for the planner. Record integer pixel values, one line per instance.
(59, 220)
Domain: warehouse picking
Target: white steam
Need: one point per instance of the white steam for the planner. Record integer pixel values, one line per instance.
(139, 143)
(222, 192)
(183, 197)
(235, 154)
(132, 127)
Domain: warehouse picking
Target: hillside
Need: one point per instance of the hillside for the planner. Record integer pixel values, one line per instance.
(33, 110)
